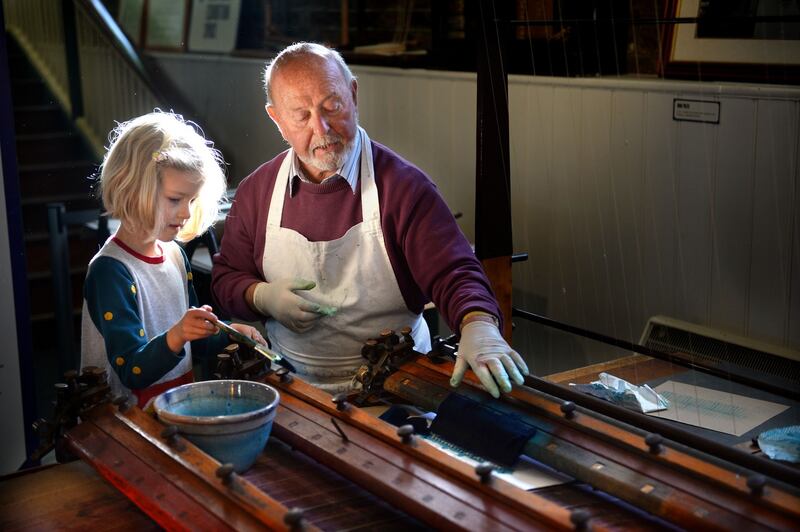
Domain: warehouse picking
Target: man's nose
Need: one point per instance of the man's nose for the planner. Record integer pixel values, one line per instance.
(319, 124)
(185, 212)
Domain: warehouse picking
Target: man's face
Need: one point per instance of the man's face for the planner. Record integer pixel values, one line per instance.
(315, 110)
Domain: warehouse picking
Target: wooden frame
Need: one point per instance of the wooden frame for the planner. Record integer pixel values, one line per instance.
(688, 56)
(166, 25)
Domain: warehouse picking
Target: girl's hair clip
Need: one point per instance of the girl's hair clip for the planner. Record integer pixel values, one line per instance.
(159, 156)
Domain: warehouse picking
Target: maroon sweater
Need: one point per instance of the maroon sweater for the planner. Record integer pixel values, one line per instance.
(431, 258)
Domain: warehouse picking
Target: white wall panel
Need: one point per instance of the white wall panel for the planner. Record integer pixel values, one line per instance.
(794, 302)
(625, 213)
(695, 156)
(773, 213)
(627, 190)
(731, 231)
(659, 249)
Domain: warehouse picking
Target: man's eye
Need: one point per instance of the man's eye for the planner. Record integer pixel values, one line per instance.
(174, 200)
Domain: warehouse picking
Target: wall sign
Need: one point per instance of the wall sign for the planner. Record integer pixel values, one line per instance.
(695, 111)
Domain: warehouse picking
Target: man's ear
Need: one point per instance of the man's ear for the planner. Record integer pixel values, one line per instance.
(354, 91)
(271, 113)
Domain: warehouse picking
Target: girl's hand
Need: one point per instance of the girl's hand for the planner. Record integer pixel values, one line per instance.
(192, 326)
(250, 332)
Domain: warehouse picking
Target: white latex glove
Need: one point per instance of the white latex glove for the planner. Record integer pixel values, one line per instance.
(279, 300)
(483, 348)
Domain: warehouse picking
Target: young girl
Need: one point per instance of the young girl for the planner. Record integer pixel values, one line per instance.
(163, 181)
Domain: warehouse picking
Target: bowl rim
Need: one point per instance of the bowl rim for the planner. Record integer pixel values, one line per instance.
(172, 417)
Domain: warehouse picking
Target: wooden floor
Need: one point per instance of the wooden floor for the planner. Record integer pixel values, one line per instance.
(66, 497)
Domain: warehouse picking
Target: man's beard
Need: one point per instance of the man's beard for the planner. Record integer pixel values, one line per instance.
(329, 161)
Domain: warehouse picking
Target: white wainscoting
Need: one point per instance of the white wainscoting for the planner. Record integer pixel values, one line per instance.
(625, 212)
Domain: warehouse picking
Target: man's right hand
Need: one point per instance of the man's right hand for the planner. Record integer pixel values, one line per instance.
(279, 300)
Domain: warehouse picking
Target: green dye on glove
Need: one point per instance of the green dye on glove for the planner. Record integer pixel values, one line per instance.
(303, 284)
(327, 310)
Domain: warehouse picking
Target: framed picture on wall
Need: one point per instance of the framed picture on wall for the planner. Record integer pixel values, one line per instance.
(733, 40)
(166, 23)
(214, 26)
(130, 16)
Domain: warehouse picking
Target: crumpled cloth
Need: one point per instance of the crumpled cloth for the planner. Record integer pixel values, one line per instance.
(782, 443)
(619, 391)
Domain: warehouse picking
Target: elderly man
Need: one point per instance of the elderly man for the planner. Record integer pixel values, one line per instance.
(338, 238)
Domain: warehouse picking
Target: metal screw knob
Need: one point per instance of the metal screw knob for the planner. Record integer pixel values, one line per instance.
(226, 473)
(94, 375)
(340, 400)
(406, 333)
(653, 441)
(284, 375)
(170, 433)
(406, 433)
(62, 389)
(230, 349)
(389, 337)
(484, 470)
(756, 483)
(568, 409)
(579, 518)
(121, 402)
(293, 518)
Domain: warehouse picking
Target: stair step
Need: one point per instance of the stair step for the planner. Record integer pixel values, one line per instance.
(57, 178)
(81, 250)
(33, 238)
(39, 119)
(40, 292)
(54, 198)
(38, 276)
(42, 147)
(30, 91)
(43, 328)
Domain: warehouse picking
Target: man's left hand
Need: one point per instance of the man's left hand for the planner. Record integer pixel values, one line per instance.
(483, 348)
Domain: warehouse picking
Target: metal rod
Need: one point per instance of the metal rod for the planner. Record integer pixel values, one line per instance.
(726, 370)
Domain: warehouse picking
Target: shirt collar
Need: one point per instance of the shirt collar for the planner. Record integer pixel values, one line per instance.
(348, 171)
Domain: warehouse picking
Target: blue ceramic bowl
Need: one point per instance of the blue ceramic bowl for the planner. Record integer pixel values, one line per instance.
(228, 419)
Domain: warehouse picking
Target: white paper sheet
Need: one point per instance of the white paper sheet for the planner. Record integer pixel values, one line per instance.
(715, 410)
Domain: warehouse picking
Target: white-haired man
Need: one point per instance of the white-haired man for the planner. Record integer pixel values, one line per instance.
(338, 238)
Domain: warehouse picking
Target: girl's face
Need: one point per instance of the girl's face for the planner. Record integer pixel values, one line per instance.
(178, 191)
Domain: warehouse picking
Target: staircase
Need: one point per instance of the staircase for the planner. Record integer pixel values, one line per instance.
(55, 165)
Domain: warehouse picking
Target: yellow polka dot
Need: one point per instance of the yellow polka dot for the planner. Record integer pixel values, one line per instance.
(136, 370)
(141, 332)
(108, 316)
(133, 288)
(189, 276)
(120, 361)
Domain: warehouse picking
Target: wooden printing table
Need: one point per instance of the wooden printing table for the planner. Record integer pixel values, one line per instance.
(333, 466)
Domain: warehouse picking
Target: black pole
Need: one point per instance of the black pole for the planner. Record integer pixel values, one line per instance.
(493, 168)
(62, 286)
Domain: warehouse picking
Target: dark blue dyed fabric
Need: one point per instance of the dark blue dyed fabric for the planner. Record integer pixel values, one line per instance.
(478, 428)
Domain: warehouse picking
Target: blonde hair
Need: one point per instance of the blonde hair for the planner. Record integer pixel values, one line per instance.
(130, 177)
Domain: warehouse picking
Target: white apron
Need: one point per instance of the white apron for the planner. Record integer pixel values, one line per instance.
(353, 274)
